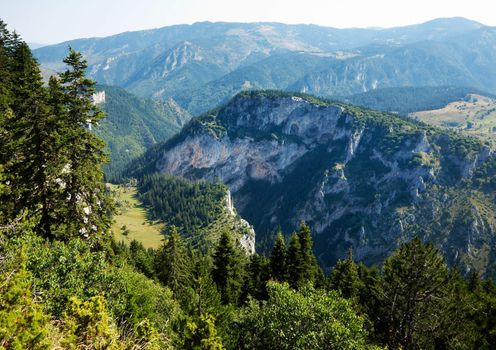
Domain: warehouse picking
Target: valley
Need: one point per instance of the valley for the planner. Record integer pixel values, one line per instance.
(131, 221)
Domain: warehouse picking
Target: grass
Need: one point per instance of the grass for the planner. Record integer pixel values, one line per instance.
(131, 220)
(475, 116)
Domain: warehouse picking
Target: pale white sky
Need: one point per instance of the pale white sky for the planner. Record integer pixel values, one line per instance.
(51, 21)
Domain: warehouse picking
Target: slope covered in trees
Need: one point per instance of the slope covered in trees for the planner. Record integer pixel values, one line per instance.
(133, 124)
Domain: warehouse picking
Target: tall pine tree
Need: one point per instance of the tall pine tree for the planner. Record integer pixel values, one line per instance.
(228, 269)
(87, 203)
(278, 268)
(173, 266)
(301, 263)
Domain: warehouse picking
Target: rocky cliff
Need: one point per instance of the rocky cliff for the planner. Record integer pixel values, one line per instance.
(360, 178)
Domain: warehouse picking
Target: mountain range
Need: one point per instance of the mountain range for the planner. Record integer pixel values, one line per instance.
(204, 64)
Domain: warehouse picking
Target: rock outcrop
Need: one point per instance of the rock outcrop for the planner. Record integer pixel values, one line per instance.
(360, 178)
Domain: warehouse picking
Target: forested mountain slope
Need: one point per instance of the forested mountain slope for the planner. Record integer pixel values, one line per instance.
(133, 124)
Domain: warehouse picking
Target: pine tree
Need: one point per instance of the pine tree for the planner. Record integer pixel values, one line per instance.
(207, 298)
(278, 268)
(172, 264)
(84, 190)
(345, 278)
(293, 261)
(227, 271)
(308, 262)
(301, 263)
(415, 279)
(256, 278)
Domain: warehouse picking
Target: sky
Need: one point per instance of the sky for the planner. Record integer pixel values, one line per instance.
(53, 21)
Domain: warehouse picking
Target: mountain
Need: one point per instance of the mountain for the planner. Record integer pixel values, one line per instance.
(360, 178)
(134, 124)
(188, 62)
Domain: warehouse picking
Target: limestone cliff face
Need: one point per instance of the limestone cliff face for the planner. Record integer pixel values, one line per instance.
(360, 178)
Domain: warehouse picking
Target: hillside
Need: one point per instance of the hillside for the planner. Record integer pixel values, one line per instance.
(133, 124)
(405, 100)
(188, 62)
(360, 178)
(474, 115)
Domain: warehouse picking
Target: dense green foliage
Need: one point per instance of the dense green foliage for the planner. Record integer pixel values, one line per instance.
(306, 319)
(190, 206)
(51, 161)
(134, 124)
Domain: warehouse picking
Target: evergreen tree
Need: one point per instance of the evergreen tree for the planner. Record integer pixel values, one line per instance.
(308, 263)
(141, 258)
(87, 207)
(172, 265)
(345, 278)
(278, 268)
(228, 269)
(301, 263)
(415, 278)
(293, 261)
(207, 298)
(256, 278)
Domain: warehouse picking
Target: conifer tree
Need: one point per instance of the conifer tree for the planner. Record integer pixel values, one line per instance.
(301, 263)
(207, 298)
(84, 190)
(308, 263)
(172, 264)
(415, 279)
(256, 278)
(278, 268)
(293, 261)
(227, 271)
(345, 277)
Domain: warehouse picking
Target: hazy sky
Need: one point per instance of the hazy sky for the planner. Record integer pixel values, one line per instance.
(51, 21)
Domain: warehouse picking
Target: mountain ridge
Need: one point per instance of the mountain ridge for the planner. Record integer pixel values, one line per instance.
(180, 62)
(360, 178)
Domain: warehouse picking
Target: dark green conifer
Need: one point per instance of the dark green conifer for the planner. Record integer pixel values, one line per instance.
(415, 279)
(301, 263)
(293, 261)
(345, 278)
(172, 264)
(87, 203)
(278, 268)
(228, 269)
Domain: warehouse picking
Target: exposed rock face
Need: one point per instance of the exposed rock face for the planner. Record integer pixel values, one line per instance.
(99, 97)
(360, 178)
(247, 239)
